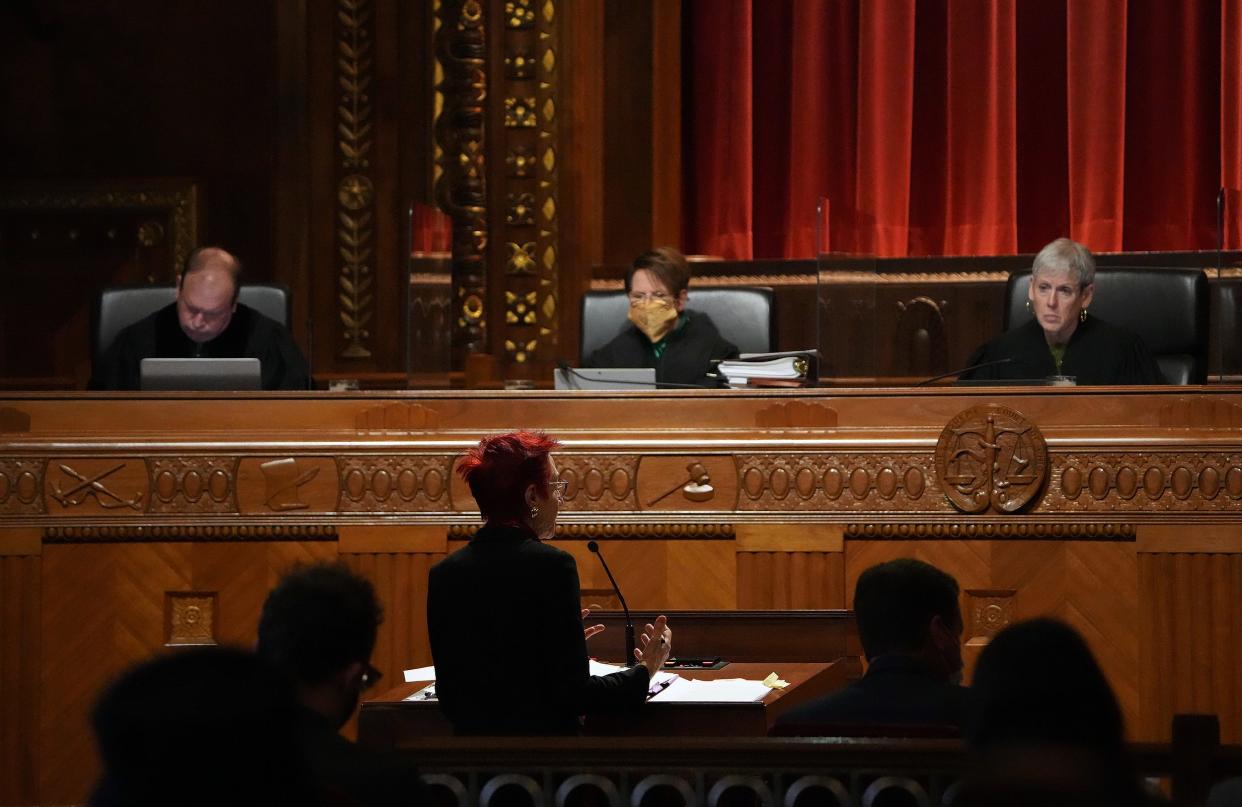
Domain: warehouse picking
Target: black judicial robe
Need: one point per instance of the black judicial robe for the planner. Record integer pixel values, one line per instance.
(1097, 353)
(505, 621)
(688, 357)
(249, 335)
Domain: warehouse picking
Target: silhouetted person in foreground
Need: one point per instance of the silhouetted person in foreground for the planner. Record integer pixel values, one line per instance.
(1045, 725)
(204, 726)
(910, 625)
(318, 629)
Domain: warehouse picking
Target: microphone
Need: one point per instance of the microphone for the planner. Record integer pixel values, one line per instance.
(564, 367)
(629, 623)
(972, 367)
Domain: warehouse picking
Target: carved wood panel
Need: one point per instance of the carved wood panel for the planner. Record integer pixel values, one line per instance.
(102, 607)
(1190, 619)
(790, 580)
(19, 677)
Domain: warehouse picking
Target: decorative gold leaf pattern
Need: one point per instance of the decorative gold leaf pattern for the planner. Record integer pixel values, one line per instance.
(355, 190)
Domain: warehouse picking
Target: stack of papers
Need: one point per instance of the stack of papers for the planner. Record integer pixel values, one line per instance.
(719, 690)
(660, 682)
(784, 369)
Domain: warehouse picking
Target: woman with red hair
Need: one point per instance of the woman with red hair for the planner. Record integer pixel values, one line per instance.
(503, 612)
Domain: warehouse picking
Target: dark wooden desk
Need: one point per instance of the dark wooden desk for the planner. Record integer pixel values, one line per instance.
(390, 721)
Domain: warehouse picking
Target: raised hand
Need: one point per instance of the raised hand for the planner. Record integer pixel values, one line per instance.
(655, 645)
(590, 630)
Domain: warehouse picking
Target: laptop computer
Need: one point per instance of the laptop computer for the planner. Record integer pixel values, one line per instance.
(607, 378)
(199, 374)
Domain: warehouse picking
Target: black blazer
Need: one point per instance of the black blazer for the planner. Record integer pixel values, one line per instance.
(897, 690)
(505, 623)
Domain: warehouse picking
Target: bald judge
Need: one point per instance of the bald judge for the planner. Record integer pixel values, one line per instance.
(206, 321)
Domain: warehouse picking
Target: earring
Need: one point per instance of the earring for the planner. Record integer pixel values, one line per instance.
(534, 511)
(1082, 315)
(1029, 310)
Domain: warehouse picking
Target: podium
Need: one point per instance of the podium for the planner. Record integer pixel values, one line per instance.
(389, 721)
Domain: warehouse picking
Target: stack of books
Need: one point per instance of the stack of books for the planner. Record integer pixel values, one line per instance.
(796, 368)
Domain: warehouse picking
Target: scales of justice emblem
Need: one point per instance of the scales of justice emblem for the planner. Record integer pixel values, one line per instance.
(991, 459)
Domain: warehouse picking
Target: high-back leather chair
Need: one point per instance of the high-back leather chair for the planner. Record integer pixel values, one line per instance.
(1168, 308)
(121, 306)
(743, 315)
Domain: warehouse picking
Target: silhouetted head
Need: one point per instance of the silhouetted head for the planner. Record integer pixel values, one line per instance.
(203, 726)
(909, 607)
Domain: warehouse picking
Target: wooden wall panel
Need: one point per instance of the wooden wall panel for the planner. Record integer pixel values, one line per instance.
(1191, 628)
(790, 580)
(19, 677)
(103, 609)
(400, 581)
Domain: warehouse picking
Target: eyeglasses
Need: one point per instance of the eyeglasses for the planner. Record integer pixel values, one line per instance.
(558, 489)
(659, 296)
(370, 677)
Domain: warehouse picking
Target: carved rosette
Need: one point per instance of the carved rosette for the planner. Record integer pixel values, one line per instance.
(21, 487)
(394, 484)
(991, 459)
(829, 482)
(355, 73)
(461, 191)
(1173, 482)
(599, 482)
(192, 485)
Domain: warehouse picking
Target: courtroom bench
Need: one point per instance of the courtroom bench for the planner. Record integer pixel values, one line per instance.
(715, 771)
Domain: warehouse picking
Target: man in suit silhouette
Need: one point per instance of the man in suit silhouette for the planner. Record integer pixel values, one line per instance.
(910, 624)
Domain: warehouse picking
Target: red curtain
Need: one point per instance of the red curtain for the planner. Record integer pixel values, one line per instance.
(948, 127)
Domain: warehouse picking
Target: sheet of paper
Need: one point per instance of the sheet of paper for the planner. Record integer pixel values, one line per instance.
(720, 690)
(427, 693)
(420, 674)
(661, 680)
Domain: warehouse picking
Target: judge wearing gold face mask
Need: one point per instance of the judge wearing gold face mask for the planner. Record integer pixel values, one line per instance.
(661, 332)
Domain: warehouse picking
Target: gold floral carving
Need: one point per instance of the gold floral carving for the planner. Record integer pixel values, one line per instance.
(520, 351)
(520, 211)
(547, 90)
(991, 459)
(519, 65)
(520, 113)
(520, 162)
(519, 13)
(393, 484)
(520, 308)
(355, 190)
(521, 258)
(189, 618)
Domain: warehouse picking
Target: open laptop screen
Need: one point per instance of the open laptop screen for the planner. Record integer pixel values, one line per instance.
(199, 374)
(608, 378)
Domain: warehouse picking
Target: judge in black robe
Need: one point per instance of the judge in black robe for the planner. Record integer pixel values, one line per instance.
(685, 356)
(1097, 354)
(683, 346)
(249, 335)
(1063, 339)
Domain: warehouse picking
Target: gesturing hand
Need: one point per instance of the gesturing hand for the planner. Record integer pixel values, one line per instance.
(590, 630)
(654, 645)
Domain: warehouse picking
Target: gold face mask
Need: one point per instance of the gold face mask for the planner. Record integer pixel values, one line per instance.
(655, 318)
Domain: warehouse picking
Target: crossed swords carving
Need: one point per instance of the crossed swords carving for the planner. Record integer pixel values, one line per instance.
(93, 486)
